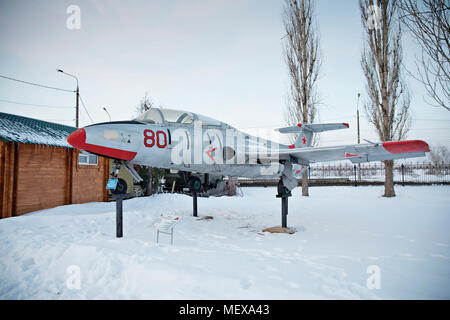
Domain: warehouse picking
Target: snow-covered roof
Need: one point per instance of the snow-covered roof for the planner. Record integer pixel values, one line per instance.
(14, 128)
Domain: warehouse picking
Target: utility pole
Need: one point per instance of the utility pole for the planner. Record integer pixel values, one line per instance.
(77, 105)
(357, 116)
(357, 126)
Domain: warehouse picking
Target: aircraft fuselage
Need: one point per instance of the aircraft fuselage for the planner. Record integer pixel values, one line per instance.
(204, 149)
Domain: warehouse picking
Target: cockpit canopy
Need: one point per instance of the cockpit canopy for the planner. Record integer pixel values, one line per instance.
(171, 116)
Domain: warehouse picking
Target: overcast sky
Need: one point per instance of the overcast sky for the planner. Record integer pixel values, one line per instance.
(222, 59)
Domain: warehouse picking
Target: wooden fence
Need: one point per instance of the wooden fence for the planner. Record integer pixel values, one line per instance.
(367, 174)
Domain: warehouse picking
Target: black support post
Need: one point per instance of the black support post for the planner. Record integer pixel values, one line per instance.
(284, 211)
(403, 175)
(194, 200)
(119, 218)
(119, 212)
(284, 195)
(354, 170)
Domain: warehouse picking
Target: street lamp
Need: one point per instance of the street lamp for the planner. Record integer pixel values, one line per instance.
(104, 108)
(357, 125)
(357, 116)
(77, 112)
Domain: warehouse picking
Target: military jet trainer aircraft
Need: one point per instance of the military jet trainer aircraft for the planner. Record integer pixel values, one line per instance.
(205, 150)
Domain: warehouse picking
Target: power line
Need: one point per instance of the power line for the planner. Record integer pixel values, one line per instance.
(418, 119)
(82, 102)
(34, 105)
(65, 120)
(431, 119)
(35, 84)
(412, 129)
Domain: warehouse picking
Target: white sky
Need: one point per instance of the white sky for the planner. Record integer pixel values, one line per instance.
(222, 59)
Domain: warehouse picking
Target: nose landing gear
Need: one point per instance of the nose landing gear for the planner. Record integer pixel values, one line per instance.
(122, 186)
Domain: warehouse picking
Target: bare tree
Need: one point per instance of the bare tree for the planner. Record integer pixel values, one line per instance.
(440, 158)
(428, 22)
(145, 104)
(439, 154)
(303, 60)
(388, 101)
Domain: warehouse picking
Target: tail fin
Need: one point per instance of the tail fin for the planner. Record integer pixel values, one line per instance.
(305, 132)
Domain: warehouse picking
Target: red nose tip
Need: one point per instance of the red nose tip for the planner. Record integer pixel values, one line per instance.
(77, 139)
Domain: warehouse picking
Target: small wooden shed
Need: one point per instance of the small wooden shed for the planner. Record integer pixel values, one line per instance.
(40, 170)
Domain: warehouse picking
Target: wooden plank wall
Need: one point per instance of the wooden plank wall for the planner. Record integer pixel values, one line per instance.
(89, 181)
(41, 179)
(7, 157)
(34, 177)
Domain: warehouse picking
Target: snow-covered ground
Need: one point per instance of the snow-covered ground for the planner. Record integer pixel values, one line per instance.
(342, 233)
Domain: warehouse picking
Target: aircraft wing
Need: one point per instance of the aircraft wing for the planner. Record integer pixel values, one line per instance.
(356, 153)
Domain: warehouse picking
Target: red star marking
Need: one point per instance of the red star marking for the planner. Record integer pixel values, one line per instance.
(304, 140)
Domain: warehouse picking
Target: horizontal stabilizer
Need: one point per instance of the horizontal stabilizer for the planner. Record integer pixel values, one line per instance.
(314, 127)
(304, 132)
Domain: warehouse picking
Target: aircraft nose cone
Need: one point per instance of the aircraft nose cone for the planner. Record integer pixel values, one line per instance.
(77, 138)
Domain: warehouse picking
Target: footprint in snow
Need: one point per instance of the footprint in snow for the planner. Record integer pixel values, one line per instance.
(439, 244)
(27, 264)
(245, 283)
(405, 254)
(218, 237)
(434, 255)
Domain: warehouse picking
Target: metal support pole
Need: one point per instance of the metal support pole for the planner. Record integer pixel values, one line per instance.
(403, 174)
(357, 124)
(77, 96)
(194, 198)
(284, 211)
(357, 128)
(356, 181)
(119, 212)
(77, 108)
(119, 218)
